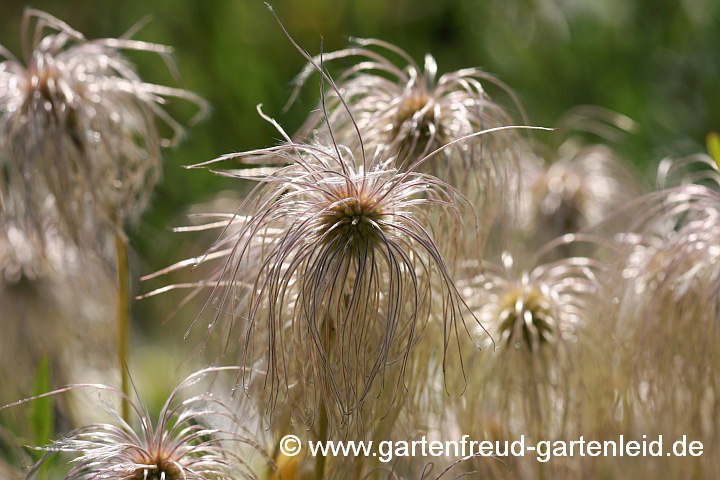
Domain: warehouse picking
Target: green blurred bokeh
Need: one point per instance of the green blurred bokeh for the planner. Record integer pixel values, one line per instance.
(657, 62)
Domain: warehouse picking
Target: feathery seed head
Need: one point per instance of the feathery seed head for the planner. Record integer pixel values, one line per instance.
(406, 112)
(675, 246)
(577, 190)
(548, 303)
(336, 262)
(182, 445)
(668, 291)
(577, 184)
(78, 126)
(544, 319)
(353, 214)
(525, 314)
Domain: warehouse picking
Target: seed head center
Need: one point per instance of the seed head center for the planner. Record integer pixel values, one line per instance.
(525, 317)
(161, 469)
(354, 219)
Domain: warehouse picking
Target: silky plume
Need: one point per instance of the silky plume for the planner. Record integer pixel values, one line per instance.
(182, 444)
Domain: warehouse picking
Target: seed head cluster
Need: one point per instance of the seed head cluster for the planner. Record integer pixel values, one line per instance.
(406, 111)
(411, 263)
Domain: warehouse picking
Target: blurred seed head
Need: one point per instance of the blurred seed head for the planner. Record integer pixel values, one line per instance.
(543, 319)
(578, 184)
(673, 249)
(56, 303)
(78, 129)
(182, 444)
(668, 290)
(525, 313)
(530, 309)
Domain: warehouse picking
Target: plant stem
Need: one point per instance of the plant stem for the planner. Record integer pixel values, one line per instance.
(123, 319)
(320, 459)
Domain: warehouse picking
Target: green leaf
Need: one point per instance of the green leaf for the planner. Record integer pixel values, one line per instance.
(41, 412)
(713, 146)
(41, 420)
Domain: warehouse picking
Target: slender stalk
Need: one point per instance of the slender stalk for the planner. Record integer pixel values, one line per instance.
(275, 471)
(123, 318)
(323, 433)
(320, 459)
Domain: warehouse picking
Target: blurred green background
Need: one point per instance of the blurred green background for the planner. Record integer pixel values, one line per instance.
(657, 62)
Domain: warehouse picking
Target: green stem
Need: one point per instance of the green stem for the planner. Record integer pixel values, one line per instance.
(123, 319)
(320, 459)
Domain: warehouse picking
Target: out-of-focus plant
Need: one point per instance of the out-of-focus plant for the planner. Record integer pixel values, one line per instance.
(542, 315)
(56, 305)
(668, 308)
(574, 183)
(78, 136)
